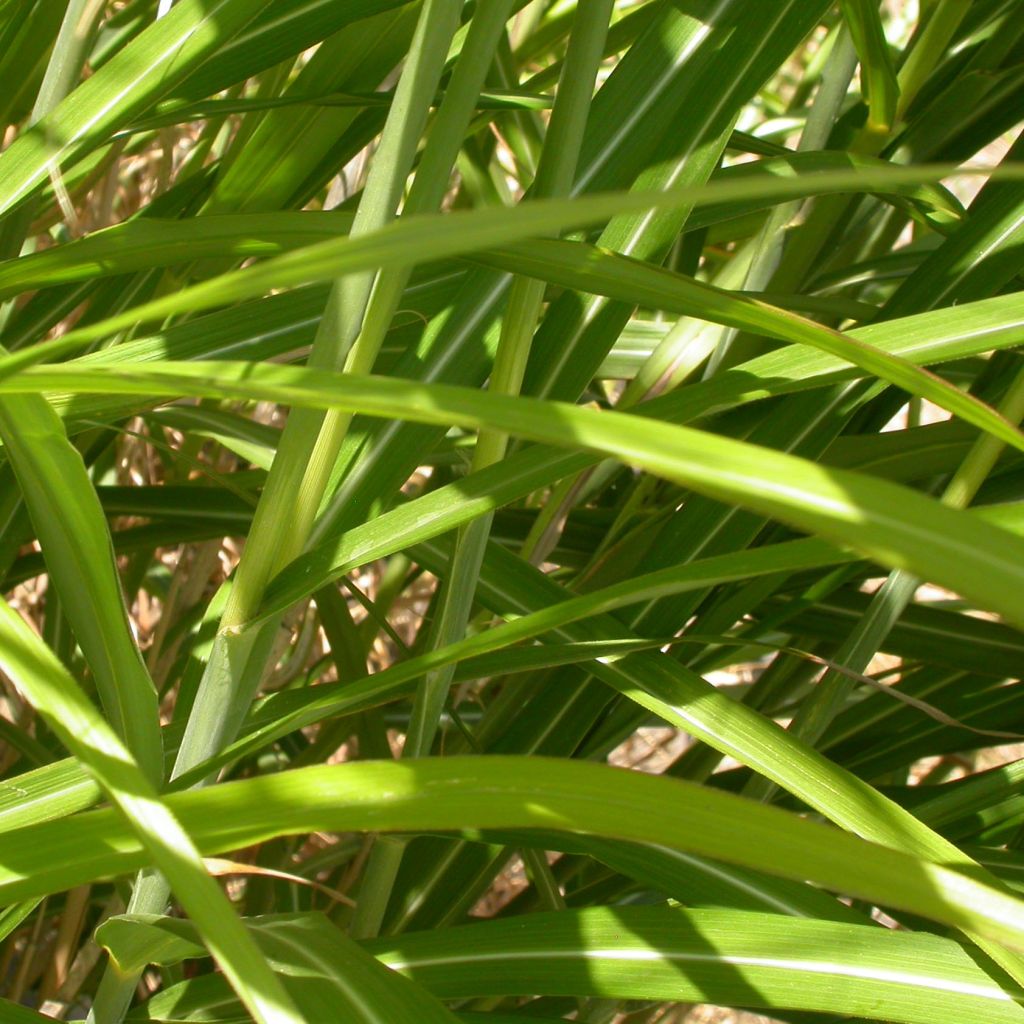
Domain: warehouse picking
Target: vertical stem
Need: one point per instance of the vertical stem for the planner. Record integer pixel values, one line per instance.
(927, 49)
(770, 241)
(425, 195)
(301, 468)
(69, 53)
(299, 476)
(70, 50)
(555, 172)
(554, 178)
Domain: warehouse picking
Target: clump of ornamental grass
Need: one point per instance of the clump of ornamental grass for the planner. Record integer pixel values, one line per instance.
(511, 511)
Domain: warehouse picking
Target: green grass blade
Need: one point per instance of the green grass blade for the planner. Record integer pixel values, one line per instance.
(144, 71)
(937, 543)
(726, 957)
(463, 793)
(422, 238)
(592, 270)
(76, 545)
(337, 976)
(729, 958)
(84, 732)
